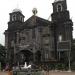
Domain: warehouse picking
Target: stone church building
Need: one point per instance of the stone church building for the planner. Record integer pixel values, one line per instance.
(37, 40)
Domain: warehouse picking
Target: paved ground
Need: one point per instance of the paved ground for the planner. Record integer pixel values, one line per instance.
(47, 73)
(60, 73)
(3, 73)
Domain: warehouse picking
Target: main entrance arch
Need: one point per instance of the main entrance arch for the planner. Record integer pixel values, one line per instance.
(24, 56)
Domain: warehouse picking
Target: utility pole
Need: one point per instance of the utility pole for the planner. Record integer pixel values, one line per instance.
(69, 58)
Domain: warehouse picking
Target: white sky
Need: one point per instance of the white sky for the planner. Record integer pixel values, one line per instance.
(44, 8)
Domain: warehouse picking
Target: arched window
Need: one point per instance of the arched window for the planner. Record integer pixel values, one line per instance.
(20, 18)
(59, 7)
(46, 56)
(14, 18)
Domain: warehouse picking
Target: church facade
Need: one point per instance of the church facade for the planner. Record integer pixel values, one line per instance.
(36, 40)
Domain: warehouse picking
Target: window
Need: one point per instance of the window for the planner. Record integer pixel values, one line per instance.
(22, 40)
(46, 40)
(21, 19)
(13, 17)
(46, 56)
(59, 7)
(12, 43)
(46, 30)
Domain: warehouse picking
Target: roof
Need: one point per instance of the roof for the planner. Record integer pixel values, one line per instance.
(32, 22)
(17, 10)
(58, 0)
(35, 21)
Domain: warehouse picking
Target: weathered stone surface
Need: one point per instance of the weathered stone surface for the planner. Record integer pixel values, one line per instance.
(36, 39)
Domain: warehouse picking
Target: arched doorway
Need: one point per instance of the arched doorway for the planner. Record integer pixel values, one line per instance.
(25, 56)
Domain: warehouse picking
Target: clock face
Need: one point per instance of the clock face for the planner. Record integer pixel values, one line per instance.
(59, 7)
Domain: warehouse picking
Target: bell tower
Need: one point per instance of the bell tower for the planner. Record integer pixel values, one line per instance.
(61, 19)
(16, 19)
(62, 23)
(16, 15)
(59, 5)
(60, 12)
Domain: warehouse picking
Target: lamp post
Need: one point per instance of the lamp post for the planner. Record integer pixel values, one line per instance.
(59, 40)
(65, 46)
(69, 58)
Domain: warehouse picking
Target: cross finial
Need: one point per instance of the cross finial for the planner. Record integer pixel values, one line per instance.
(34, 11)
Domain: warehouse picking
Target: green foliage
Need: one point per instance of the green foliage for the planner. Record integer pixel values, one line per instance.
(60, 66)
(2, 55)
(73, 56)
(73, 65)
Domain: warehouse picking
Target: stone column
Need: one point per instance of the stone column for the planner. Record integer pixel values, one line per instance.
(17, 33)
(6, 39)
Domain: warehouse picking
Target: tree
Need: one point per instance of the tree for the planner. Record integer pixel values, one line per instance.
(73, 55)
(2, 56)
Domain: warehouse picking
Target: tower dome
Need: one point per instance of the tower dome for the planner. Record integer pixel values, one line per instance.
(17, 10)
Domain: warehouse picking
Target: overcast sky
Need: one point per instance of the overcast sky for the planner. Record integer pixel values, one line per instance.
(44, 8)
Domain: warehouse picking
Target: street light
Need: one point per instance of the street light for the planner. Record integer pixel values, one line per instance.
(65, 46)
(69, 58)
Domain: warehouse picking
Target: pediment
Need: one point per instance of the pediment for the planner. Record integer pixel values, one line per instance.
(35, 21)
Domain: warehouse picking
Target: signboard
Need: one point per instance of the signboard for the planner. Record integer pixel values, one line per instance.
(63, 45)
